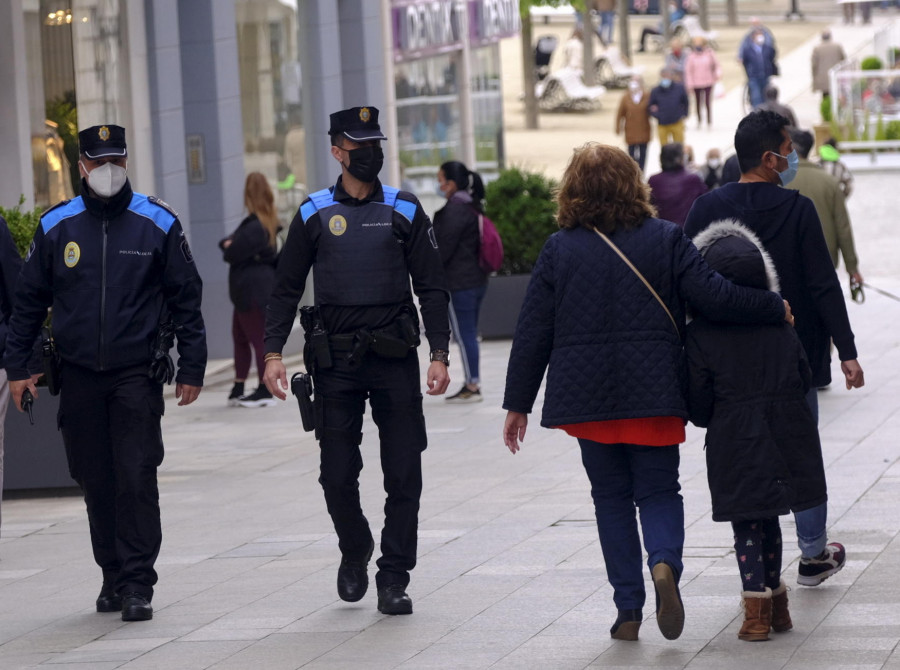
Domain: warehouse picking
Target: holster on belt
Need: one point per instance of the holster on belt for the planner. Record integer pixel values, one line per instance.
(302, 387)
(316, 337)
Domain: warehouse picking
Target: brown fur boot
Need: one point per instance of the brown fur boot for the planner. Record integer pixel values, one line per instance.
(781, 617)
(757, 615)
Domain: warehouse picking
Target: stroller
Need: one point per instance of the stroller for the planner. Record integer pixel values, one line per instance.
(544, 49)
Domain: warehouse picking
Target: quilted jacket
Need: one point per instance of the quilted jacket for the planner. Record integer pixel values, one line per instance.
(747, 386)
(609, 349)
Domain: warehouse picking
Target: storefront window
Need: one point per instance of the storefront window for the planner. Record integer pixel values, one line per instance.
(427, 117)
(487, 109)
(269, 65)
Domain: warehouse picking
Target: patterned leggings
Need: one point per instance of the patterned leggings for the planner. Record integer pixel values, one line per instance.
(757, 545)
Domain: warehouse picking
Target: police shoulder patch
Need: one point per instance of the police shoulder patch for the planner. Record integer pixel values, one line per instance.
(162, 203)
(186, 249)
(61, 203)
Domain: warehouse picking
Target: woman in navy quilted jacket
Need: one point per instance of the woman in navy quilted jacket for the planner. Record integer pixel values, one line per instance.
(458, 237)
(615, 365)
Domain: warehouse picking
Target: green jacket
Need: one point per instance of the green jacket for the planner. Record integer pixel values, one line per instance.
(831, 206)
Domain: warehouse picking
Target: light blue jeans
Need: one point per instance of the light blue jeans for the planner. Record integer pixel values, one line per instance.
(811, 535)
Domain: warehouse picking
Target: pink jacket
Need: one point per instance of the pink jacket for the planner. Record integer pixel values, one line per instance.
(701, 69)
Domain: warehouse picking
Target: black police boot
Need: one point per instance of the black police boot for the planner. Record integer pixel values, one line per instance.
(109, 600)
(136, 607)
(392, 599)
(353, 577)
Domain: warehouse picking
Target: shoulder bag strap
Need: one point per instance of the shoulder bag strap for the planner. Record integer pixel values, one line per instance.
(641, 277)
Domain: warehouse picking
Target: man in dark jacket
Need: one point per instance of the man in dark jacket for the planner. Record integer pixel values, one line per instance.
(757, 55)
(112, 263)
(10, 264)
(674, 190)
(789, 227)
(669, 106)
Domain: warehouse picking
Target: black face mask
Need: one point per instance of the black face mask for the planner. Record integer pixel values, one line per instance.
(365, 163)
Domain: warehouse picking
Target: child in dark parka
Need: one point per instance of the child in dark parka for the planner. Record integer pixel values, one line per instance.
(747, 387)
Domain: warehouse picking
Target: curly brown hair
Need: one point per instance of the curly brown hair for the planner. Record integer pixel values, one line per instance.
(602, 188)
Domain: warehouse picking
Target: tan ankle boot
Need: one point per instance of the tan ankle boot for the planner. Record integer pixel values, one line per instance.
(781, 617)
(757, 615)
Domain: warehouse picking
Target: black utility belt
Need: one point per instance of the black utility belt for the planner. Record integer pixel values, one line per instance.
(379, 342)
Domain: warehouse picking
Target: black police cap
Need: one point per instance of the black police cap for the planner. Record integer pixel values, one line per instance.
(360, 124)
(101, 141)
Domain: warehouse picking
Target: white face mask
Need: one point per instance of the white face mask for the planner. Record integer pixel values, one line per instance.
(714, 163)
(106, 180)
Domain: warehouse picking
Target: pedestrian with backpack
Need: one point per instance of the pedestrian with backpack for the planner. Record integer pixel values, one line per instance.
(457, 226)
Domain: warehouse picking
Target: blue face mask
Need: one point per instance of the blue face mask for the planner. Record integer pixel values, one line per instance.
(793, 161)
(665, 83)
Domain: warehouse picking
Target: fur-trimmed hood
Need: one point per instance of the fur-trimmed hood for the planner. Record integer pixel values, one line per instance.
(735, 252)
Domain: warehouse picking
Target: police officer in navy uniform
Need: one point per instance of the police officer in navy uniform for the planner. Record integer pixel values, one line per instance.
(111, 263)
(363, 242)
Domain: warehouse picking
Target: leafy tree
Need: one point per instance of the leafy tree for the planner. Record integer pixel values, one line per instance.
(21, 224)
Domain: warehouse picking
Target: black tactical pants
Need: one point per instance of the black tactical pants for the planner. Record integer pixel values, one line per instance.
(110, 423)
(393, 389)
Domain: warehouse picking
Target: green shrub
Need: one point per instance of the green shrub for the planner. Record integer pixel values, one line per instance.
(892, 130)
(871, 63)
(522, 206)
(21, 224)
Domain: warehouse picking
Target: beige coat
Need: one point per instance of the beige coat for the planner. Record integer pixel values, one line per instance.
(824, 57)
(634, 119)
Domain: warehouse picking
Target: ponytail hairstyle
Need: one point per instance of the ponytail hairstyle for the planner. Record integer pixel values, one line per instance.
(465, 180)
(259, 201)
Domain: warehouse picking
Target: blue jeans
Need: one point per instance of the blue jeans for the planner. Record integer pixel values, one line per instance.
(625, 476)
(757, 86)
(811, 535)
(464, 308)
(607, 25)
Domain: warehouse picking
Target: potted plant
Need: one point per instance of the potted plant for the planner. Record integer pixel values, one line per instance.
(522, 206)
(34, 454)
(822, 131)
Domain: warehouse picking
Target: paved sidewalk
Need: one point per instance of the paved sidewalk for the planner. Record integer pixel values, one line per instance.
(510, 573)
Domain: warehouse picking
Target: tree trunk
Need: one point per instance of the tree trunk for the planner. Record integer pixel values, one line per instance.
(666, 19)
(704, 14)
(731, 6)
(624, 28)
(531, 108)
(587, 33)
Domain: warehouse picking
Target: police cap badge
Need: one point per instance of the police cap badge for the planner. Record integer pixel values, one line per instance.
(100, 141)
(360, 124)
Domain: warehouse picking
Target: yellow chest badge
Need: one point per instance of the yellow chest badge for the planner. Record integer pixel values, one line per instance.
(337, 224)
(72, 255)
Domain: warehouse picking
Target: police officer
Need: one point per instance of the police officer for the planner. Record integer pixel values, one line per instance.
(363, 241)
(111, 263)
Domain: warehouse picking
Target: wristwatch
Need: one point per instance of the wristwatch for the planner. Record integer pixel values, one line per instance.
(440, 356)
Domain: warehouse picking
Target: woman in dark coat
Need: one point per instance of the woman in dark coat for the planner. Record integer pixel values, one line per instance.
(615, 365)
(459, 240)
(748, 386)
(250, 251)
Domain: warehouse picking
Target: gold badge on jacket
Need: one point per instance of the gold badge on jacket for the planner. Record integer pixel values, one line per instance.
(72, 255)
(337, 224)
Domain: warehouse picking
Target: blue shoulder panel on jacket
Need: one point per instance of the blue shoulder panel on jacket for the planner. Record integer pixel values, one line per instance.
(406, 207)
(154, 210)
(316, 201)
(61, 211)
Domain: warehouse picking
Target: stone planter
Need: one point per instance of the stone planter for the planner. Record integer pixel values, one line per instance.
(34, 456)
(501, 305)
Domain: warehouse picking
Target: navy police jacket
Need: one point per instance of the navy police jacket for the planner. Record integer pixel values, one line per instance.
(363, 254)
(109, 269)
